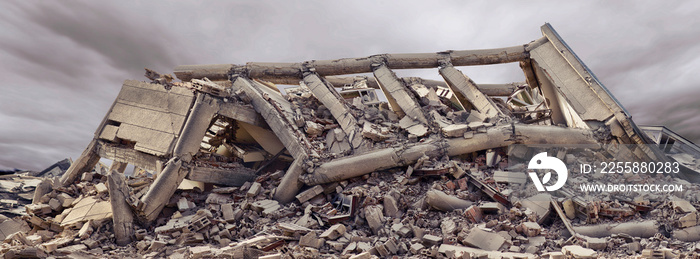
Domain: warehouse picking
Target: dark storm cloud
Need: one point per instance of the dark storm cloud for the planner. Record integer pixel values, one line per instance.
(63, 63)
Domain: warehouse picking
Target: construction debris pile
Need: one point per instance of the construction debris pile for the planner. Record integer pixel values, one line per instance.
(227, 163)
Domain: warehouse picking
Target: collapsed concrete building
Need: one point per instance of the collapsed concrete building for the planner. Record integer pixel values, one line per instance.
(232, 127)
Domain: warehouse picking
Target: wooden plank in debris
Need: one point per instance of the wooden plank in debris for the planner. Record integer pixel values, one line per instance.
(468, 93)
(393, 88)
(274, 114)
(222, 176)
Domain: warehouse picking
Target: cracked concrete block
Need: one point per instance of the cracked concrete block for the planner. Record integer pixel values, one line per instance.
(689, 220)
(314, 129)
(531, 229)
(577, 251)
(311, 240)
(101, 188)
(594, 243)
(483, 239)
(310, 193)
(227, 211)
(363, 255)
(254, 190)
(391, 207)
(416, 248)
(374, 217)
(683, 206)
(334, 232)
(431, 240)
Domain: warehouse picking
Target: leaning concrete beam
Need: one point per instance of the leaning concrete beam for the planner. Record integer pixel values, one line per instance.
(290, 184)
(498, 136)
(466, 89)
(204, 109)
(272, 116)
(122, 216)
(641, 229)
(162, 189)
(395, 89)
(291, 73)
(86, 162)
(335, 103)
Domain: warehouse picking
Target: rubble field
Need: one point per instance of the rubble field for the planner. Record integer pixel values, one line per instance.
(344, 159)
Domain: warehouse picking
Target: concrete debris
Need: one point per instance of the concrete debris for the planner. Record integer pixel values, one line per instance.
(227, 164)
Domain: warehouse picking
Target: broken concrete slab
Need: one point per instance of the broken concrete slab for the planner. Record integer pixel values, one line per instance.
(484, 240)
(88, 208)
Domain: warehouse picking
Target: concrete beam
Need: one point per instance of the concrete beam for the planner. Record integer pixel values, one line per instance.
(401, 100)
(467, 91)
(497, 136)
(291, 73)
(336, 104)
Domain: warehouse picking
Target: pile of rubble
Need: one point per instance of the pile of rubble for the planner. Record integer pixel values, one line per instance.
(227, 165)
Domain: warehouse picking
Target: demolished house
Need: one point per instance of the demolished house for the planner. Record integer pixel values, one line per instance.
(343, 158)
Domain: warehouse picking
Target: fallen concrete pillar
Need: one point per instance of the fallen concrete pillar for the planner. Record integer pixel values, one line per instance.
(290, 185)
(467, 92)
(86, 162)
(400, 99)
(291, 73)
(162, 189)
(691, 234)
(642, 229)
(442, 201)
(335, 103)
(122, 216)
(204, 109)
(498, 136)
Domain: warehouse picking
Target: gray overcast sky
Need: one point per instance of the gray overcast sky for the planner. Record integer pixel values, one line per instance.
(63, 62)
